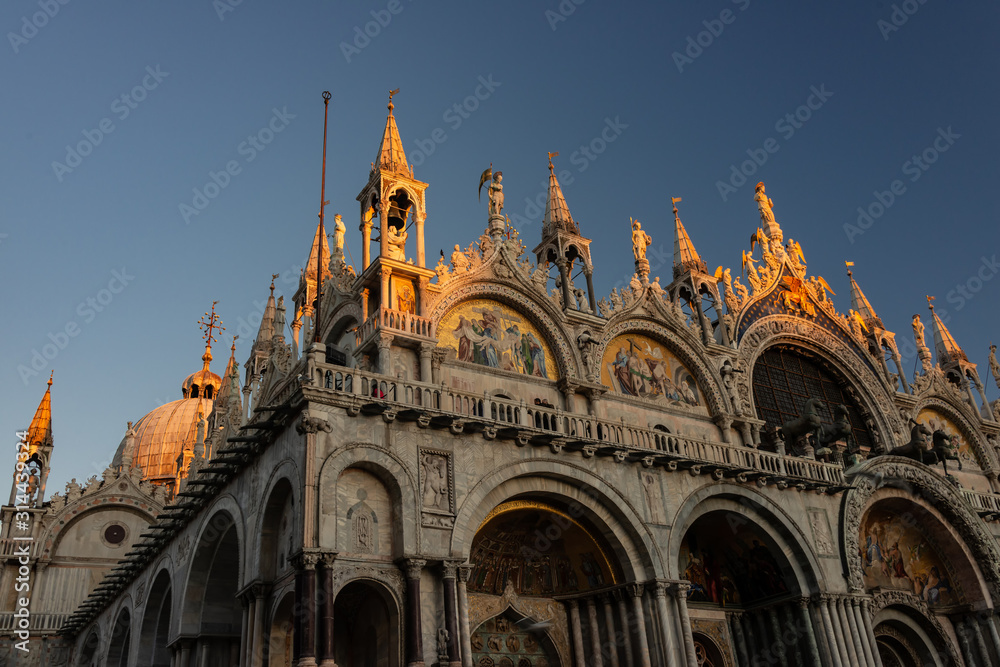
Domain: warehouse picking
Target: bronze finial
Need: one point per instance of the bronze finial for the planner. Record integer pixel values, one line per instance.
(849, 265)
(391, 93)
(51, 374)
(274, 276)
(675, 200)
(930, 303)
(214, 322)
(552, 155)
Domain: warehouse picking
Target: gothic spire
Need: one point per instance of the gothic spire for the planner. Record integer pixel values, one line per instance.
(557, 215)
(40, 431)
(266, 329)
(945, 346)
(686, 258)
(319, 241)
(390, 152)
(859, 302)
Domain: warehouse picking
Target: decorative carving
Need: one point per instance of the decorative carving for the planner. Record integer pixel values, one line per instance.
(436, 481)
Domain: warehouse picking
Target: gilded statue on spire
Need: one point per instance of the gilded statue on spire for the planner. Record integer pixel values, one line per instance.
(994, 366)
(640, 240)
(766, 205)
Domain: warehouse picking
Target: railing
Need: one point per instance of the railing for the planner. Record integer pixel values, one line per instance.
(985, 502)
(506, 413)
(396, 321)
(37, 622)
(11, 547)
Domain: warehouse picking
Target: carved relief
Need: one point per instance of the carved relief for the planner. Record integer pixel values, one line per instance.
(436, 483)
(819, 523)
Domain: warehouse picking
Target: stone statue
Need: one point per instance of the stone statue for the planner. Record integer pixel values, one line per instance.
(397, 243)
(459, 262)
(918, 332)
(656, 288)
(586, 343)
(338, 234)
(443, 637)
(496, 194)
(441, 270)
(765, 205)
(640, 240)
(994, 366)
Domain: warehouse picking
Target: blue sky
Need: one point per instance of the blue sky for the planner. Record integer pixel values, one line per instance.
(643, 101)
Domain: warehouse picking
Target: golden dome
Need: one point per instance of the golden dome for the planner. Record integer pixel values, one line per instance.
(203, 384)
(163, 434)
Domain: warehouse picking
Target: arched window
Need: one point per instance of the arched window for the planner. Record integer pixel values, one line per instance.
(784, 378)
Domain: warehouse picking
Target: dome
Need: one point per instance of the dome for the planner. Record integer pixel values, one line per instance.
(162, 435)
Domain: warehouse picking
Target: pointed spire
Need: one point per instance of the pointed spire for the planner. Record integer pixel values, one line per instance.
(945, 346)
(266, 329)
(390, 152)
(319, 242)
(557, 215)
(230, 389)
(40, 431)
(859, 302)
(686, 258)
(213, 324)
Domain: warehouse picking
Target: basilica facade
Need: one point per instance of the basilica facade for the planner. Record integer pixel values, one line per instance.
(483, 463)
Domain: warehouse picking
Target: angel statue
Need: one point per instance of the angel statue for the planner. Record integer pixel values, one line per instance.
(820, 288)
(495, 190)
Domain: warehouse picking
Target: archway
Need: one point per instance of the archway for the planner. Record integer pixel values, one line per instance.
(366, 626)
(88, 650)
(121, 640)
(707, 652)
(213, 614)
(155, 630)
(904, 638)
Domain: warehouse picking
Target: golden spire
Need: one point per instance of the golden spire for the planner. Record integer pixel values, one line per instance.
(859, 302)
(214, 323)
(685, 255)
(391, 156)
(40, 430)
(557, 215)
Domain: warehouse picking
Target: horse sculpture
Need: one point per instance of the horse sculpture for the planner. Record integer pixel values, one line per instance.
(916, 448)
(839, 430)
(808, 422)
(944, 450)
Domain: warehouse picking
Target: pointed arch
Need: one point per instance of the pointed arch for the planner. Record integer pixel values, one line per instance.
(156, 624)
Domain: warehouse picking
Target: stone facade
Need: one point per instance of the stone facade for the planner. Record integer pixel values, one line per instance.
(484, 465)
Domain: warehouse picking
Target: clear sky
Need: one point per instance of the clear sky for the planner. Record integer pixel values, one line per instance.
(643, 101)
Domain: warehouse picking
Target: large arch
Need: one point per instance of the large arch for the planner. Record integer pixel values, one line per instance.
(708, 379)
(873, 393)
(281, 632)
(930, 491)
(280, 498)
(391, 471)
(749, 505)
(154, 631)
(570, 486)
(959, 416)
(906, 635)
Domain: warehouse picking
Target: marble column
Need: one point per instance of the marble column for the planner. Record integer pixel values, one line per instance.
(681, 596)
(451, 613)
(860, 633)
(812, 656)
(307, 655)
(326, 647)
(464, 630)
(642, 649)
(991, 625)
(185, 658)
(245, 633)
(576, 632)
(257, 643)
(850, 639)
(866, 619)
(835, 635)
(414, 630)
(626, 627)
(977, 633)
(779, 640)
(596, 659)
(666, 623)
(742, 652)
(963, 640)
(609, 622)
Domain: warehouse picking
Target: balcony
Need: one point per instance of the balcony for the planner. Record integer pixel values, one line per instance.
(387, 320)
(440, 406)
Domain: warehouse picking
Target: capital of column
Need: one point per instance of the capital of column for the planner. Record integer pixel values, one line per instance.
(450, 568)
(662, 587)
(681, 589)
(327, 559)
(305, 560)
(803, 602)
(637, 589)
(464, 572)
(385, 341)
(426, 349)
(413, 567)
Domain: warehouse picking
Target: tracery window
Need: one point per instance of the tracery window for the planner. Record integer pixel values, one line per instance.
(784, 378)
